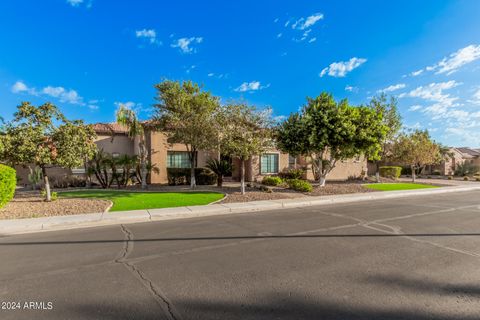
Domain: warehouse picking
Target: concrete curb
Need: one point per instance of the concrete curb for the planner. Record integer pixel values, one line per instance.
(18, 226)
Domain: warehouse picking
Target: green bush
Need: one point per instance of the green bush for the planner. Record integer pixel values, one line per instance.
(53, 195)
(391, 172)
(292, 174)
(8, 182)
(180, 176)
(300, 185)
(272, 181)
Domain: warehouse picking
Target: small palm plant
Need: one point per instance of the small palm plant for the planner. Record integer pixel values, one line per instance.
(220, 168)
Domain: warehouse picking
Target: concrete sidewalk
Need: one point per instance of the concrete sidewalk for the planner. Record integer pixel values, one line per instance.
(17, 226)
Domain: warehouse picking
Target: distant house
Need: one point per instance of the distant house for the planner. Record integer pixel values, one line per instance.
(459, 156)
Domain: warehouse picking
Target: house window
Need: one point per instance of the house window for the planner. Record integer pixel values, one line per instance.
(269, 163)
(292, 161)
(178, 159)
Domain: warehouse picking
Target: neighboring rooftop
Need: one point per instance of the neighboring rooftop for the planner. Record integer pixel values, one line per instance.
(469, 151)
(109, 128)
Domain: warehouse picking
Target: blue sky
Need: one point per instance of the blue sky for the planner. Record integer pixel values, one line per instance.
(88, 56)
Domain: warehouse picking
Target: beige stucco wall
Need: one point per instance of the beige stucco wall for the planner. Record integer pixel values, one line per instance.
(253, 169)
(343, 170)
(120, 144)
(158, 147)
(53, 172)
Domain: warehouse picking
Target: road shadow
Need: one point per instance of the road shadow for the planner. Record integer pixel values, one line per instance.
(425, 286)
(275, 306)
(251, 237)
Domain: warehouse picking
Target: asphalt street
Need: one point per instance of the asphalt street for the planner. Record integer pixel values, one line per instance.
(406, 258)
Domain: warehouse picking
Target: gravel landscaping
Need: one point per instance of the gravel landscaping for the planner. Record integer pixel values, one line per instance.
(30, 205)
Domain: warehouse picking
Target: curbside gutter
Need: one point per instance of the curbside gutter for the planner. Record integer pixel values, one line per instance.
(19, 226)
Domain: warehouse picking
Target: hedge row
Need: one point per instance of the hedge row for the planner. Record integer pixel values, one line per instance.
(391, 172)
(180, 176)
(8, 182)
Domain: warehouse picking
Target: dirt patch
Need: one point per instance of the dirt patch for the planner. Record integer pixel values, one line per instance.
(340, 188)
(28, 205)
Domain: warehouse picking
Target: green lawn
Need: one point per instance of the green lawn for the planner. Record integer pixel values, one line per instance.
(124, 200)
(397, 186)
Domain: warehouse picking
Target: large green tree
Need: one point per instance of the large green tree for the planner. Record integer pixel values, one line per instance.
(246, 132)
(417, 150)
(187, 114)
(392, 120)
(42, 136)
(326, 131)
(128, 118)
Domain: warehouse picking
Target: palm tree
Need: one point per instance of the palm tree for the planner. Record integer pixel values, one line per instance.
(220, 168)
(128, 118)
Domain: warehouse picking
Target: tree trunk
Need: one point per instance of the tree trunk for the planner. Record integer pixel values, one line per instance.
(413, 173)
(143, 172)
(323, 179)
(377, 172)
(193, 183)
(143, 164)
(219, 181)
(47, 185)
(242, 176)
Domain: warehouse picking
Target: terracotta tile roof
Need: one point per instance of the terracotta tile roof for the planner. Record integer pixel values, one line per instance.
(109, 128)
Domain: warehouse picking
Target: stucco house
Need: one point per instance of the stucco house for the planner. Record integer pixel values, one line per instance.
(459, 156)
(113, 139)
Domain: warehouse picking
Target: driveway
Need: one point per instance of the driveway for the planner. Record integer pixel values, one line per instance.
(407, 258)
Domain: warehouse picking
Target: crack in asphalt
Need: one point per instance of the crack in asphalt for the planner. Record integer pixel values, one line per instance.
(398, 231)
(159, 296)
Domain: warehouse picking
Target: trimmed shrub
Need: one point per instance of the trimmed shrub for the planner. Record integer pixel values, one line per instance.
(391, 172)
(450, 178)
(181, 176)
(292, 174)
(8, 182)
(465, 178)
(272, 181)
(300, 185)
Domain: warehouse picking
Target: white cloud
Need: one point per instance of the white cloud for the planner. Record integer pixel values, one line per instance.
(416, 73)
(392, 88)
(184, 44)
(276, 20)
(475, 97)
(351, 88)
(304, 23)
(465, 135)
(250, 86)
(434, 92)
(19, 86)
(312, 40)
(127, 104)
(69, 96)
(458, 59)
(279, 118)
(148, 34)
(340, 69)
(74, 3)
(63, 95)
(415, 107)
(78, 3)
(279, 35)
